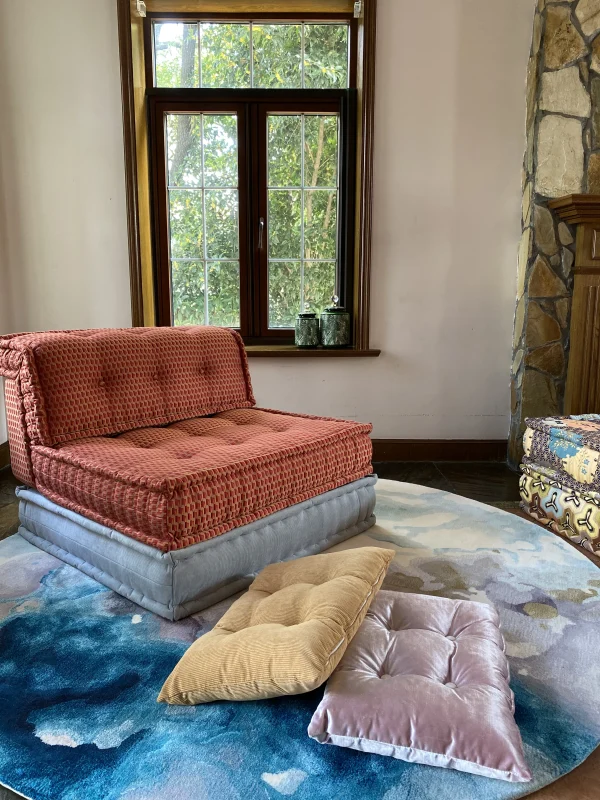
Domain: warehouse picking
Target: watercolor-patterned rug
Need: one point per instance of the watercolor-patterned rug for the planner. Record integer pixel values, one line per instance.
(80, 669)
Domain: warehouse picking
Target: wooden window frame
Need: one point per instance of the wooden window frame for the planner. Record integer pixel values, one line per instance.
(137, 97)
(252, 107)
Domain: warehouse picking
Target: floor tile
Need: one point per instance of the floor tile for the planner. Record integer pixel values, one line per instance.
(9, 519)
(424, 473)
(487, 482)
(7, 486)
(6, 794)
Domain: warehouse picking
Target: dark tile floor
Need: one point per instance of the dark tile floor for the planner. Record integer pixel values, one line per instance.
(9, 521)
(488, 482)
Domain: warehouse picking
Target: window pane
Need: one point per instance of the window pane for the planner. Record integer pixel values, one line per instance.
(319, 284)
(224, 293)
(220, 150)
(284, 223)
(277, 53)
(187, 289)
(284, 293)
(302, 145)
(176, 54)
(320, 224)
(238, 55)
(203, 219)
(185, 223)
(326, 56)
(184, 148)
(221, 209)
(225, 55)
(320, 150)
(285, 149)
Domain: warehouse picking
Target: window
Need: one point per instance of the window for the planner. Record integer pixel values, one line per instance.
(252, 128)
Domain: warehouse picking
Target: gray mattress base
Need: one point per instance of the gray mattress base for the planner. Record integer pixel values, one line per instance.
(181, 582)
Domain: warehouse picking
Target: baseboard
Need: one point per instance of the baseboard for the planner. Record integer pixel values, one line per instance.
(407, 450)
(439, 450)
(4, 455)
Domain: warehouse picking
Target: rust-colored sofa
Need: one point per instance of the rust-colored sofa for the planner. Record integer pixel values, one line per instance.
(149, 438)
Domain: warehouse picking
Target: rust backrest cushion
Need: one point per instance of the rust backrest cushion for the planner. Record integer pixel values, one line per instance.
(65, 385)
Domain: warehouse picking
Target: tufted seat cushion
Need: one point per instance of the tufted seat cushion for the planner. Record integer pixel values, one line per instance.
(176, 485)
(286, 634)
(426, 680)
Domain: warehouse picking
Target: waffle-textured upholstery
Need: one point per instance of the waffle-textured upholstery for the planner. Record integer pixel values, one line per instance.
(152, 432)
(73, 384)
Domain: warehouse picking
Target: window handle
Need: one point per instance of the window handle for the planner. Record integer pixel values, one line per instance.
(261, 232)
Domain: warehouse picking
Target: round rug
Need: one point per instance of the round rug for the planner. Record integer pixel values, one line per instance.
(81, 667)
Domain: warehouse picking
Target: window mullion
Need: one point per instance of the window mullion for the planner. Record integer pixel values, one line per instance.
(199, 37)
(204, 249)
(255, 199)
(302, 202)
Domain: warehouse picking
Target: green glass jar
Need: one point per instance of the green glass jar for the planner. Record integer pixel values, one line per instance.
(335, 325)
(307, 329)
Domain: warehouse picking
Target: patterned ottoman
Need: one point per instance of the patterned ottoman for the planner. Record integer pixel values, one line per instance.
(150, 438)
(560, 485)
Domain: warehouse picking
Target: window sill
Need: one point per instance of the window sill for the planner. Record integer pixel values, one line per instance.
(291, 351)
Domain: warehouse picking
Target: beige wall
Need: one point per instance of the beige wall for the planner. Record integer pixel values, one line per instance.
(449, 141)
(62, 203)
(449, 146)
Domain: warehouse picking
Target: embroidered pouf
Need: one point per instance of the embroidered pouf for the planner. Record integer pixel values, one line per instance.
(560, 485)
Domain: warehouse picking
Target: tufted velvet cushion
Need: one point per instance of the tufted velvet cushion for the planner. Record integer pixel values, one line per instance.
(426, 680)
(101, 382)
(173, 486)
(286, 634)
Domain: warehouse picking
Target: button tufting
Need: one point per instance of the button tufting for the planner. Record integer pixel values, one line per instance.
(450, 685)
(451, 638)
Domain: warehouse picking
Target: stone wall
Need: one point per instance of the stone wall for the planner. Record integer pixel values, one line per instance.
(562, 157)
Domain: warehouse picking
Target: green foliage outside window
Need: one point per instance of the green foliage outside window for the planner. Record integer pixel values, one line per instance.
(202, 152)
(244, 55)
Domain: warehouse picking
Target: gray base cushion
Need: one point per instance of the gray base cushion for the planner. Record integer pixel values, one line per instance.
(181, 582)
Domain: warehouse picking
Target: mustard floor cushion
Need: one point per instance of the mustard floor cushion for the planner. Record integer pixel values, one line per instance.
(286, 635)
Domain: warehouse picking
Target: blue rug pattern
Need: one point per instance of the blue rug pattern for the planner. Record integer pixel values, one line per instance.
(80, 669)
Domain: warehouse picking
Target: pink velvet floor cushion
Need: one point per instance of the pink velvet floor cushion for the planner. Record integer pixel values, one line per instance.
(425, 680)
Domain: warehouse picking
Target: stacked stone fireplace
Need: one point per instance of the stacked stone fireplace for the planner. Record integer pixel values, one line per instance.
(562, 158)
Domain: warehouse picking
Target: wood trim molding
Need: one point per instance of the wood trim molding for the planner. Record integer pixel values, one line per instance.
(577, 208)
(582, 392)
(130, 153)
(249, 6)
(439, 450)
(367, 31)
(4, 455)
(290, 351)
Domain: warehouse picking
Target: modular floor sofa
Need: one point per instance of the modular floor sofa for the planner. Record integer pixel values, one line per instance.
(147, 465)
